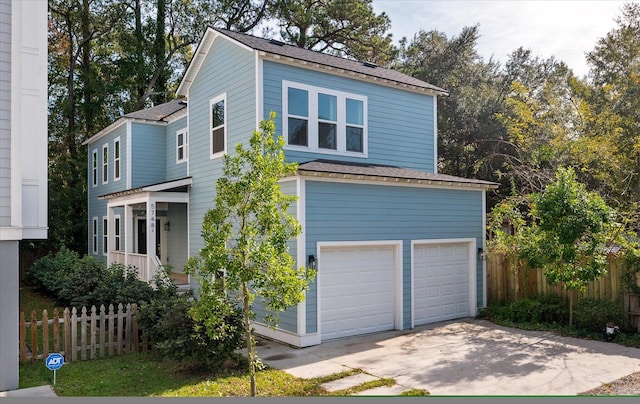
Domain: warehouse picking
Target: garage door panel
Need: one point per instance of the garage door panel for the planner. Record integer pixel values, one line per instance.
(440, 282)
(357, 290)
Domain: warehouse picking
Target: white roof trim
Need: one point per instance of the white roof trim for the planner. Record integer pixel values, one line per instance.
(393, 181)
(163, 186)
(168, 185)
(199, 57)
(124, 119)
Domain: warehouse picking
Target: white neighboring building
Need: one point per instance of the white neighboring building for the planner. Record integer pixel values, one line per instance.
(23, 157)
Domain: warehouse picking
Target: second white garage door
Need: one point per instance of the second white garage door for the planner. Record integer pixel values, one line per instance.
(357, 289)
(441, 278)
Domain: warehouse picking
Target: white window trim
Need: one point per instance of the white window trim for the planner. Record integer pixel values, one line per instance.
(105, 163)
(105, 235)
(117, 233)
(223, 98)
(313, 120)
(117, 160)
(94, 239)
(94, 168)
(185, 144)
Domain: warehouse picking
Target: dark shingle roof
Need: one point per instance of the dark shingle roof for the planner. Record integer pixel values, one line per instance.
(387, 172)
(159, 112)
(294, 52)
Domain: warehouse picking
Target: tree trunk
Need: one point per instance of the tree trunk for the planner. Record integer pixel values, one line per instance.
(249, 339)
(140, 87)
(160, 95)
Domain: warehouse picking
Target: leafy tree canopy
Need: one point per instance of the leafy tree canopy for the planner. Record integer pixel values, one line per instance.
(347, 28)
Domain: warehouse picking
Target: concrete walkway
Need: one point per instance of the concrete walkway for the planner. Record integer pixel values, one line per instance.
(468, 357)
(40, 391)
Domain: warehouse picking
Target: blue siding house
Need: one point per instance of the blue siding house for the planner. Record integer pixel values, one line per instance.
(395, 243)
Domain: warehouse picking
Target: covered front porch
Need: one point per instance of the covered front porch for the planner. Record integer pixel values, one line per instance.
(148, 229)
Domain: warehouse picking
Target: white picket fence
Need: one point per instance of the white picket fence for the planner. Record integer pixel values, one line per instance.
(89, 334)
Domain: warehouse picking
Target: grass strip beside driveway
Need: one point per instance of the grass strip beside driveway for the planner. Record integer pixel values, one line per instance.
(147, 375)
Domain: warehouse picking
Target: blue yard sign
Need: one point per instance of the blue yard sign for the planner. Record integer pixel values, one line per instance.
(54, 362)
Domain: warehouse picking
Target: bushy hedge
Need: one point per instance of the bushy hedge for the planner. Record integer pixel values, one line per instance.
(539, 309)
(590, 315)
(81, 281)
(178, 334)
(171, 320)
(594, 314)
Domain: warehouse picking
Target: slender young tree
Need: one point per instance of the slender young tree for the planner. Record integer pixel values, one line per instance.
(246, 235)
(565, 231)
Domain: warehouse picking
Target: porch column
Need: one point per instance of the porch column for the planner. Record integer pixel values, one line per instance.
(128, 232)
(151, 236)
(111, 233)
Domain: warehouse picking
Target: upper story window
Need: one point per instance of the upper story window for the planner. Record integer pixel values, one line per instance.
(218, 125)
(94, 167)
(105, 163)
(182, 146)
(116, 159)
(324, 121)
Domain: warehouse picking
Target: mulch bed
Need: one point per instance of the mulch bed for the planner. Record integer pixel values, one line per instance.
(625, 386)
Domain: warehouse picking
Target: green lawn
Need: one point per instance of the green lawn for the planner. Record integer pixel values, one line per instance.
(31, 300)
(146, 375)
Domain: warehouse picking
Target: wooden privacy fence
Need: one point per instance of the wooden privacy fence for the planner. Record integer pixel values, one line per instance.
(89, 334)
(506, 284)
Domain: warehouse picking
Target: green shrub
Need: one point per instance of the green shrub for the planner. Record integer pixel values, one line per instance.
(170, 320)
(76, 281)
(539, 309)
(47, 273)
(594, 314)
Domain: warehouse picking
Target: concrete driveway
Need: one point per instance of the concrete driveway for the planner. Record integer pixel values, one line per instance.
(464, 357)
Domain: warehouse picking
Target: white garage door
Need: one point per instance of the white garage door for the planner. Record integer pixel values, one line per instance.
(357, 287)
(440, 282)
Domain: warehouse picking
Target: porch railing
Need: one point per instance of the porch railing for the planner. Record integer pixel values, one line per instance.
(137, 260)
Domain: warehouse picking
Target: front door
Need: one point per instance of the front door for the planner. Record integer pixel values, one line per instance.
(142, 237)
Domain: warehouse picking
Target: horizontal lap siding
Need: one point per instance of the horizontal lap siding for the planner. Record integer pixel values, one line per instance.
(5, 115)
(288, 318)
(227, 68)
(177, 243)
(148, 151)
(97, 207)
(400, 123)
(361, 212)
(174, 170)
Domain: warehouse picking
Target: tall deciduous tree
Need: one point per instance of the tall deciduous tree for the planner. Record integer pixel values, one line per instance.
(346, 28)
(79, 98)
(246, 234)
(540, 121)
(615, 103)
(468, 130)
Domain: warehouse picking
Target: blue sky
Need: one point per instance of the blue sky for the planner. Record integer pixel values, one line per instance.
(564, 29)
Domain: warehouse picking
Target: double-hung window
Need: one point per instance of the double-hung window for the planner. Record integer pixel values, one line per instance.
(105, 235)
(324, 121)
(218, 125)
(94, 232)
(182, 146)
(116, 159)
(105, 163)
(116, 232)
(94, 167)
